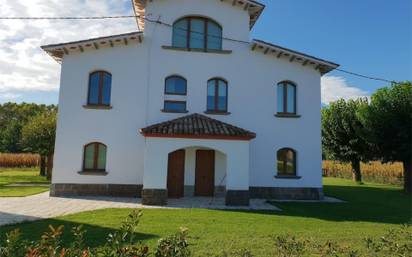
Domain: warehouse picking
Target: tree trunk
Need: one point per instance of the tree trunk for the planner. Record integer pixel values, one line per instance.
(49, 166)
(42, 165)
(407, 176)
(356, 171)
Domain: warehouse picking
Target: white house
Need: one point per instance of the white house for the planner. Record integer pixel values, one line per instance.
(188, 105)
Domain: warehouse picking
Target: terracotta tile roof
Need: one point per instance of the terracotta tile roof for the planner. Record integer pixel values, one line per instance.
(197, 126)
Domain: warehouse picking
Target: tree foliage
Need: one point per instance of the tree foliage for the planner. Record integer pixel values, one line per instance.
(342, 134)
(13, 117)
(388, 120)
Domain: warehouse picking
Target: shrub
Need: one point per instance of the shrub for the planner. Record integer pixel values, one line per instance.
(174, 246)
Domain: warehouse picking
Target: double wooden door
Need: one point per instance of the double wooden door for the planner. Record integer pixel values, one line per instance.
(176, 174)
(205, 173)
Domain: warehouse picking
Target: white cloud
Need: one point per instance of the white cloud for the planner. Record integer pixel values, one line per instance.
(24, 67)
(335, 88)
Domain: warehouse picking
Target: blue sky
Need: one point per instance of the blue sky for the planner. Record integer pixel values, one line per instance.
(372, 37)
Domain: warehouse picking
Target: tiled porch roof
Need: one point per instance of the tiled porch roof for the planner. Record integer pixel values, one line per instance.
(197, 126)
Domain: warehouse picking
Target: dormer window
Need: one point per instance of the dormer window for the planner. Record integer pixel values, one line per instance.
(197, 33)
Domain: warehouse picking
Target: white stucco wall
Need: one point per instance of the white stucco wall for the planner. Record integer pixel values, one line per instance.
(252, 78)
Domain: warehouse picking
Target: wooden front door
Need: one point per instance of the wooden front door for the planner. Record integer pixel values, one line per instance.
(176, 174)
(205, 173)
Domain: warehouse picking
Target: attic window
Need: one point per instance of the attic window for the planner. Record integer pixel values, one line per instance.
(197, 33)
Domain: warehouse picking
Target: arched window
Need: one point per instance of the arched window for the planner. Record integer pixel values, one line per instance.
(286, 162)
(100, 83)
(94, 157)
(217, 95)
(286, 98)
(175, 85)
(197, 32)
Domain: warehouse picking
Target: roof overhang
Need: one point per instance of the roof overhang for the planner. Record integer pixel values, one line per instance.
(57, 51)
(293, 56)
(254, 9)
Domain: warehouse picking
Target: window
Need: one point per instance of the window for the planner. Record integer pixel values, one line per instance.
(197, 32)
(175, 85)
(94, 157)
(175, 106)
(216, 95)
(286, 98)
(100, 83)
(286, 162)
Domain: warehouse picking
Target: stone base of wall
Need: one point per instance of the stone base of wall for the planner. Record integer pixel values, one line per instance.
(96, 190)
(237, 198)
(154, 197)
(286, 193)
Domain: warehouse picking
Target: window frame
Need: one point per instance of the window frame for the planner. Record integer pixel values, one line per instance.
(205, 36)
(281, 174)
(101, 74)
(174, 101)
(284, 84)
(175, 76)
(95, 157)
(216, 96)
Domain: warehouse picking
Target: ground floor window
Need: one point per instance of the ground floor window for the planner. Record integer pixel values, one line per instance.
(286, 162)
(94, 157)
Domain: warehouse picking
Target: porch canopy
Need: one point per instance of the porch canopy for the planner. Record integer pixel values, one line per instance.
(196, 130)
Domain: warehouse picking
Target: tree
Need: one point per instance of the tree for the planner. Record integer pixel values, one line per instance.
(38, 136)
(388, 121)
(342, 134)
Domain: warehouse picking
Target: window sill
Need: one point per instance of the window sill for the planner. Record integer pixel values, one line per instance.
(217, 113)
(287, 115)
(93, 173)
(199, 50)
(287, 177)
(167, 111)
(97, 107)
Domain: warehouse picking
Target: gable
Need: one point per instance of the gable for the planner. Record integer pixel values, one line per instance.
(254, 9)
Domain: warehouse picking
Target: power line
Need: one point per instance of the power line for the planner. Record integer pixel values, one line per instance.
(171, 26)
(70, 18)
(364, 76)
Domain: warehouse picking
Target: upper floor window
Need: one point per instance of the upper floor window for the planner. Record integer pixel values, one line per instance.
(286, 92)
(94, 157)
(217, 95)
(197, 32)
(175, 85)
(100, 83)
(286, 162)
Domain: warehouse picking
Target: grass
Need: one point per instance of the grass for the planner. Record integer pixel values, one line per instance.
(371, 209)
(10, 176)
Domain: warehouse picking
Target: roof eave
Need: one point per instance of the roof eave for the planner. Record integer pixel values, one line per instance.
(322, 65)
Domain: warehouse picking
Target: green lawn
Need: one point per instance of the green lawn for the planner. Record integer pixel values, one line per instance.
(13, 182)
(370, 210)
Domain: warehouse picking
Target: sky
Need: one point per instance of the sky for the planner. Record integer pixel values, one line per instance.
(371, 37)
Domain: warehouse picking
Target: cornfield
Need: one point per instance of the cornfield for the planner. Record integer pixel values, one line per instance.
(8, 160)
(386, 173)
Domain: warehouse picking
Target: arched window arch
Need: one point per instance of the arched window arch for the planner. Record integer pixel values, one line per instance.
(286, 92)
(100, 85)
(94, 157)
(286, 162)
(217, 95)
(197, 32)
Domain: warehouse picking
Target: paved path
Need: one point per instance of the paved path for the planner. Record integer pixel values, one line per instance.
(42, 206)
